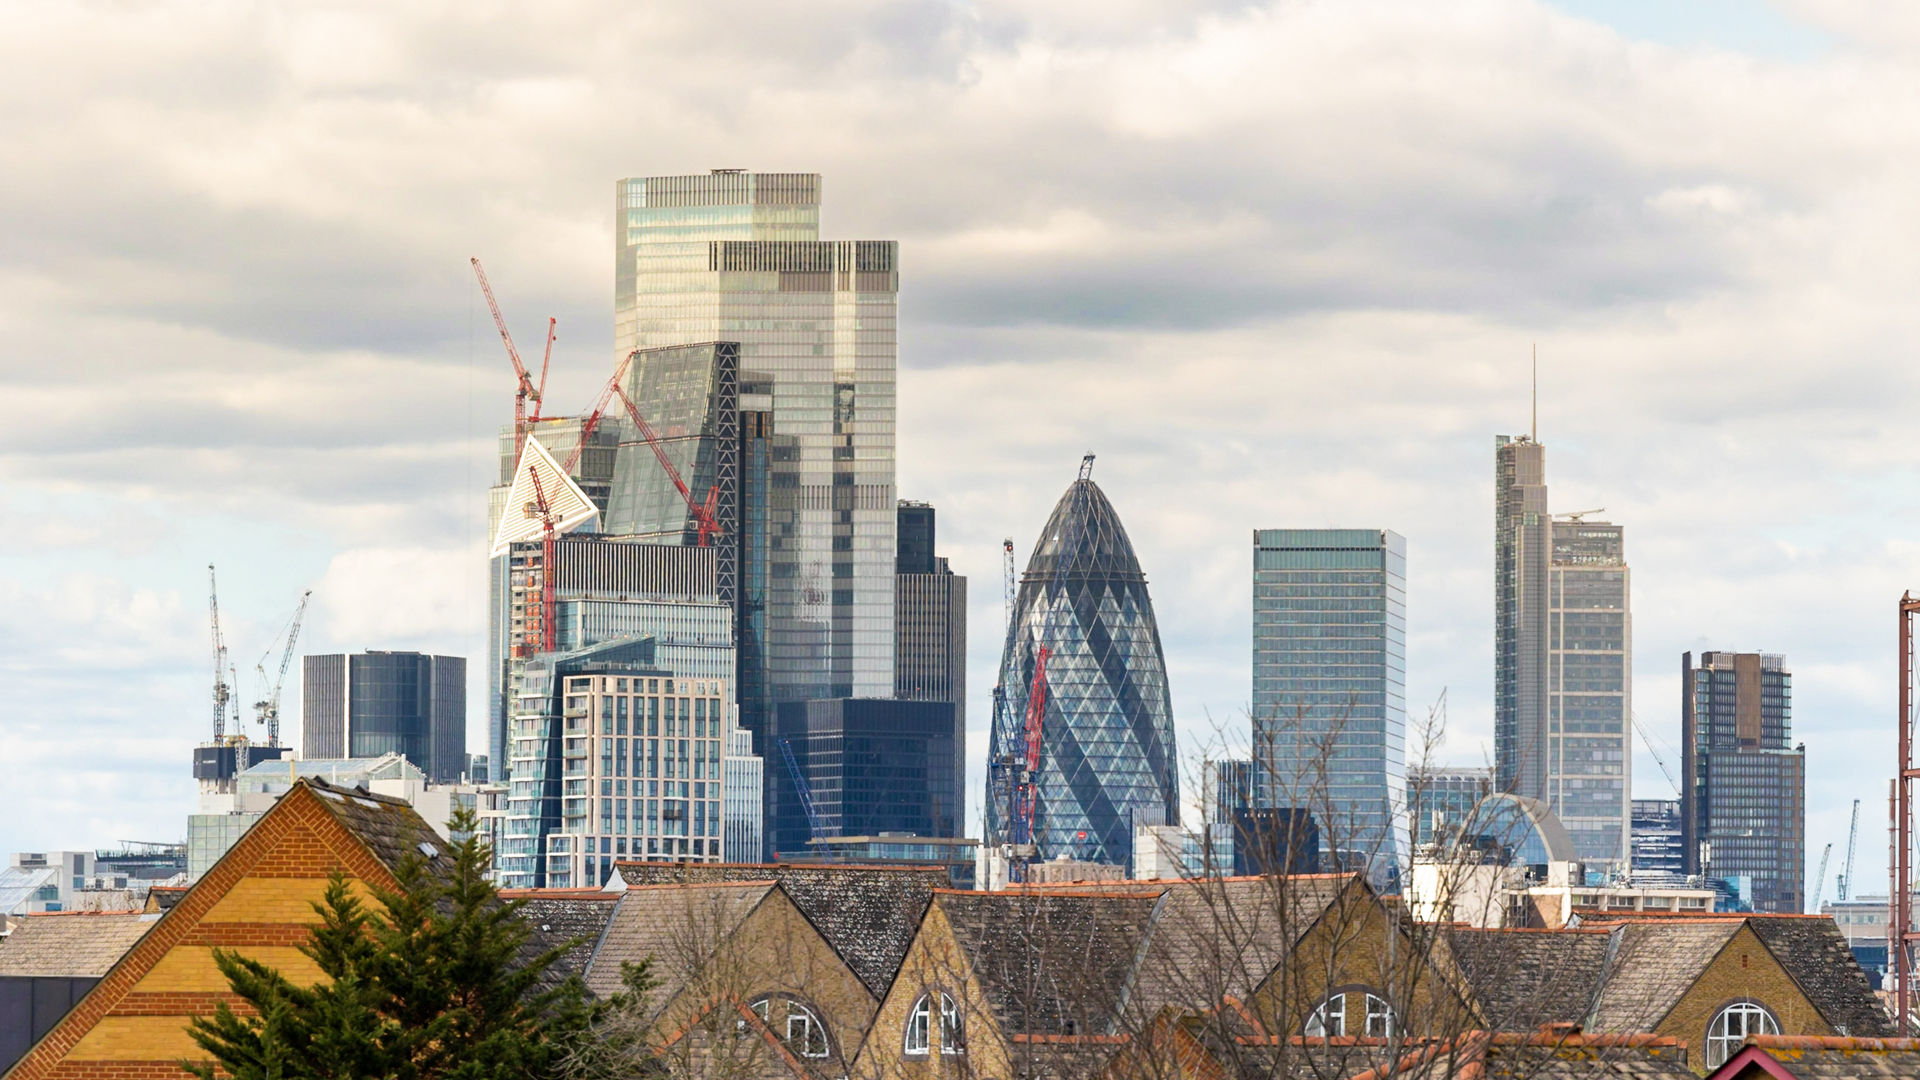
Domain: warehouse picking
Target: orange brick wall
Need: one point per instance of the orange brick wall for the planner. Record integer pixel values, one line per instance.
(132, 1025)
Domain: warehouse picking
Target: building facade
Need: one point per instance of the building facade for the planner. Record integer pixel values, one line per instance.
(1563, 646)
(737, 255)
(613, 759)
(364, 705)
(1743, 783)
(1659, 842)
(873, 766)
(1441, 802)
(1590, 689)
(743, 800)
(930, 627)
(1329, 686)
(1108, 761)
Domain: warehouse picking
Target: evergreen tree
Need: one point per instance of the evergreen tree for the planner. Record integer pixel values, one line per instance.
(431, 983)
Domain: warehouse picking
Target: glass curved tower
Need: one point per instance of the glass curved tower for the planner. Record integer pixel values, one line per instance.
(1107, 747)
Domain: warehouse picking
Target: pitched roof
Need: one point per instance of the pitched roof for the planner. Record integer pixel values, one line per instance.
(1812, 1057)
(1652, 965)
(1050, 963)
(558, 917)
(1522, 979)
(161, 898)
(1816, 955)
(389, 827)
(73, 944)
(679, 927)
(868, 914)
(1212, 939)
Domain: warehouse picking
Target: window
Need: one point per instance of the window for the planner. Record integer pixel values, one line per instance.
(1330, 1019)
(920, 1026)
(805, 1035)
(1732, 1025)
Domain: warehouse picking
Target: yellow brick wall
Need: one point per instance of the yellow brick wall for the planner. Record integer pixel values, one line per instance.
(934, 962)
(1743, 970)
(191, 968)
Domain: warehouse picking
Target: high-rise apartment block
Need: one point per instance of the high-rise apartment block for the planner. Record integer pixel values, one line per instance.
(737, 256)
(1329, 686)
(1563, 641)
(930, 627)
(364, 705)
(637, 766)
(1743, 783)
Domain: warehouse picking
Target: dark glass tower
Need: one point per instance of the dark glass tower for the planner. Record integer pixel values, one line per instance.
(363, 705)
(1743, 786)
(1107, 745)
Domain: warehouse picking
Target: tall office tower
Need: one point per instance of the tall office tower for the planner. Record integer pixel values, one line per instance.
(1590, 690)
(1107, 759)
(363, 705)
(1743, 786)
(872, 766)
(1659, 841)
(1563, 646)
(1522, 551)
(737, 255)
(1330, 687)
(633, 756)
(930, 627)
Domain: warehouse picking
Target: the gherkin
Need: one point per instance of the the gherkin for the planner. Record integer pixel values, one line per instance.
(1107, 758)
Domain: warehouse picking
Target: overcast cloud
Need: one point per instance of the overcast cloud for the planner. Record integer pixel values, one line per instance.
(1277, 264)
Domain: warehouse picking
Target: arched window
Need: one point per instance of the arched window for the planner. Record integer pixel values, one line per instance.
(1732, 1025)
(1330, 1019)
(920, 1026)
(798, 1027)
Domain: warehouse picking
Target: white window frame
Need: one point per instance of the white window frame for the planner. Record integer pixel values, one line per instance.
(919, 1026)
(1723, 1042)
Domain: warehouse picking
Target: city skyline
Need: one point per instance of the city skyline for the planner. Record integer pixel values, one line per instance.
(297, 408)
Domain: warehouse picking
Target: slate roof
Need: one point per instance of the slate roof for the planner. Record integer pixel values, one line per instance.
(1814, 1058)
(84, 944)
(1050, 963)
(389, 827)
(1522, 979)
(1214, 938)
(1652, 965)
(1815, 953)
(868, 914)
(560, 916)
(161, 898)
(679, 926)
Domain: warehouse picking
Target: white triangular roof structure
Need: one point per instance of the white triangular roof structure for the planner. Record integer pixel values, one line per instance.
(521, 519)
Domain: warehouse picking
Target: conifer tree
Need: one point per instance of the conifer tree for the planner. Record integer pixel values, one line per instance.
(429, 983)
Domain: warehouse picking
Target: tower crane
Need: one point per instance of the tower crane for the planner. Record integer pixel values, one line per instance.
(805, 792)
(525, 389)
(1845, 884)
(1820, 879)
(222, 683)
(267, 711)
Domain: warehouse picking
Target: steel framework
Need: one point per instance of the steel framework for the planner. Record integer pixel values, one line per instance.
(1900, 932)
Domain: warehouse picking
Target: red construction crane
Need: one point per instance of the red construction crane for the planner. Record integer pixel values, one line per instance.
(703, 514)
(1027, 786)
(526, 389)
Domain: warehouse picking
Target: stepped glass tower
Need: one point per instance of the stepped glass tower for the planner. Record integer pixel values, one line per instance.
(1107, 757)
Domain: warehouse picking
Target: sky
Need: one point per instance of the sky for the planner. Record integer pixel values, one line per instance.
(1276, 264)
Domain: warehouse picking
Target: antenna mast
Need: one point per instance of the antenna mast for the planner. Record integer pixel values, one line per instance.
(1536, 393)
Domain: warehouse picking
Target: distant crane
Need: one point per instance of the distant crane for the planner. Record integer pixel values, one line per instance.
(222, 681)
(1845, 885)
(1579, 516)
(1820, 879)
(805, 792)
(267, 711)
(1647, 741)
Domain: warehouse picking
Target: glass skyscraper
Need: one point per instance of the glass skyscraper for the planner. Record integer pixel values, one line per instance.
(737, 256)
(1743, 782)
(1563, 649)
(363, 705)
(1108, 760)
(1329, 686)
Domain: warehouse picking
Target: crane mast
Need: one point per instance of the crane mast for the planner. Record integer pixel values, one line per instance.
(222, 687)
(1844, 886)
(267, 710)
